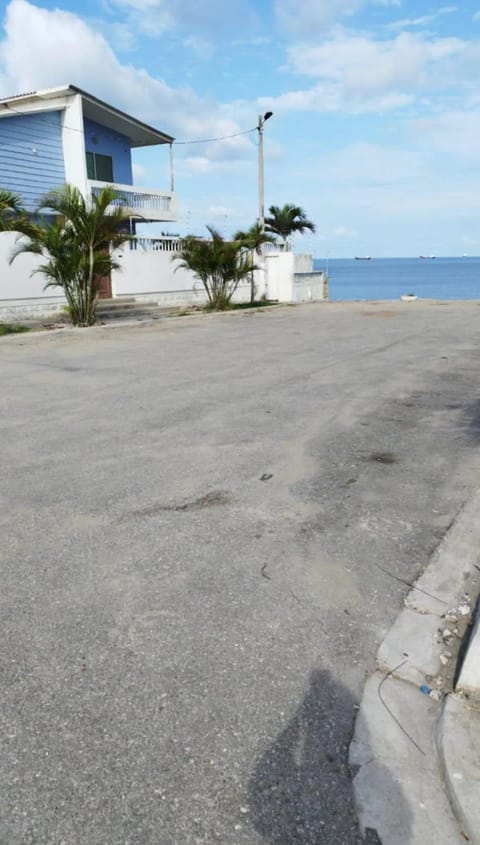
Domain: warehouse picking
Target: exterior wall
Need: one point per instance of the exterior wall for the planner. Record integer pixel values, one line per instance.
(150, 276)
(310, 287)
(100, 139)
(74, 144)
(22, 291)
(279, 270)
(31, 154)
(303, 263)
(149, 272)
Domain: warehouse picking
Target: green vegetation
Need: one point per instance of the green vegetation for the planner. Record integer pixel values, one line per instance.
(13, 217)
(11, 328)
(286, 221)
(253, 239)
(76, 246)
(219, 264)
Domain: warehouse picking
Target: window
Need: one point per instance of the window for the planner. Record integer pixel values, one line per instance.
(99, 167)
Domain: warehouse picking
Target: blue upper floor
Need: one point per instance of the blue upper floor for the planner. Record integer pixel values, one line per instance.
(31, 155)
(104, 143)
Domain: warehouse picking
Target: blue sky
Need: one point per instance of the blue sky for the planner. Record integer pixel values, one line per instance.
(376, 107)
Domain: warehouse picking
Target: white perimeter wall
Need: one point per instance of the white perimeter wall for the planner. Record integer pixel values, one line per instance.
(21, 293)
(148, 272)
(150, 275)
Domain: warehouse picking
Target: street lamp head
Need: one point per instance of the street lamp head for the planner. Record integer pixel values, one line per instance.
(267, 115)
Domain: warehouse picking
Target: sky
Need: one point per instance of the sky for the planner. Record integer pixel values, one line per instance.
(376, 108)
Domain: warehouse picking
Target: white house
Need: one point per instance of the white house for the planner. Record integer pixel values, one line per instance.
(64, 134)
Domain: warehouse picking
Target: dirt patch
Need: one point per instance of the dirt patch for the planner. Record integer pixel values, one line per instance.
(383, 457)
(209, 500)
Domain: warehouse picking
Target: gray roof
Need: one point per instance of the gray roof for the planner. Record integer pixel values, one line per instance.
(139, 134)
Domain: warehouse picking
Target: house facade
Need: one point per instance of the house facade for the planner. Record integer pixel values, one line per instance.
(65, 135)
(59, 135)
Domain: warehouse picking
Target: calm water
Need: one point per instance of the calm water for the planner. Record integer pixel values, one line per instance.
(389, 278)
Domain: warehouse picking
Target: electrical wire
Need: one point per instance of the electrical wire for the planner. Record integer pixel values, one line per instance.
(387, 708)
(220, 138)
(9, 108)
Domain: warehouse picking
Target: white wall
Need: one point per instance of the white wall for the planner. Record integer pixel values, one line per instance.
(310, 287)
(147, 271)
(73, 139)
(303, 263)
(151, 275)
(279, 270)
(16, 280)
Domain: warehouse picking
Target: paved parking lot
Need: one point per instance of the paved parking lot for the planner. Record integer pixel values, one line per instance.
(206, 527)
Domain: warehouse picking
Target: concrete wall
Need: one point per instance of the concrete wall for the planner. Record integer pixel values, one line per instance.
(22, 294)
(151, 275)
(147, 272)
(148, 275)
(309, 287)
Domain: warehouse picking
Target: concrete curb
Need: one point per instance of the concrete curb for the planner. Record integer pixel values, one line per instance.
(416, 770)
(139, 322)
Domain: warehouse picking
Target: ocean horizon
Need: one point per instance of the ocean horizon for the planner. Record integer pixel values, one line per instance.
(390, 278)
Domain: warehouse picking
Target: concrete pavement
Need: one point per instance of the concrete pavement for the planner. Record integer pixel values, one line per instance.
(418, 712)
(208, 527)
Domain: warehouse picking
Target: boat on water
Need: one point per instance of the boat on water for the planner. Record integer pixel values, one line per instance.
(427, 257)
(363, 258)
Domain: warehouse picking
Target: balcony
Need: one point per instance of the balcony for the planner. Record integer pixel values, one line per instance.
(141, 203)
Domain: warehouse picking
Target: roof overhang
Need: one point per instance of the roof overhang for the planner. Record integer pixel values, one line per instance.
(139, 134)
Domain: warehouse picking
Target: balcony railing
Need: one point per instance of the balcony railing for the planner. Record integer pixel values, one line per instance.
(167, 243)
(140, 203)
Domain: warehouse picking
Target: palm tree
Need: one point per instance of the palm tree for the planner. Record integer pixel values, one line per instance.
(253, 239)
(13, 217)
(286, 221)
(219, 264)
(77, 245)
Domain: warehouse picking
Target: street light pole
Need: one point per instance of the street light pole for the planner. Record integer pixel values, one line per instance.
(261, 178)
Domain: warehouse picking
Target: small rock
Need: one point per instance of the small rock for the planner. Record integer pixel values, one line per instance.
(447, 634)
(451, 617)
(464, 609)
(435, 694)
(444, 659)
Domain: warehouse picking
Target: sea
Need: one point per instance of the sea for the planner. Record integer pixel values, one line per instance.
(390, 278)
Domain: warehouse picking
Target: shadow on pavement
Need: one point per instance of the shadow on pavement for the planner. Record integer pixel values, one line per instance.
(301, 790)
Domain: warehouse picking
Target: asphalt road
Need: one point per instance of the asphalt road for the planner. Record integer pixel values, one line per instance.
(203, 525)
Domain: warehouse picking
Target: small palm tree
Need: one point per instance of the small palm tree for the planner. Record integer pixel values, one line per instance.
(13, 217)
(253, 239)
(286, 221)
(77, 245)
(219, 264)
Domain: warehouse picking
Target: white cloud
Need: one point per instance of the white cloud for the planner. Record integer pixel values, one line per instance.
(452, 132)
(219, 211)
(344, 232)
(154, 17)
(365, 65)
(334, 98)
(422, 20)
(357, 74)
(202, 48)
(45, 48)
(313, 16)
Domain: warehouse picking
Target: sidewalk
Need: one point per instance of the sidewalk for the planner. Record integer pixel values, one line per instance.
(420, 712)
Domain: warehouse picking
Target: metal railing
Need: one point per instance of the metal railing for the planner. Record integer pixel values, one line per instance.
(160, 244)
(140, 201)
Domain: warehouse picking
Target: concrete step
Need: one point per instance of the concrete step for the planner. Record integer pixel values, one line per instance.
(126, 309)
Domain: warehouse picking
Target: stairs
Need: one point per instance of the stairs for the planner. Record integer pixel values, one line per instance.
(126, 308)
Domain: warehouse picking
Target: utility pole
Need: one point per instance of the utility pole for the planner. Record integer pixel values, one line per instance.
(261, 178)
